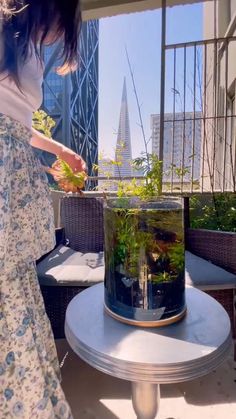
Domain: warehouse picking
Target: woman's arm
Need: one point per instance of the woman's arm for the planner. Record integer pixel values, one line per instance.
(44, 143)
(48, 144)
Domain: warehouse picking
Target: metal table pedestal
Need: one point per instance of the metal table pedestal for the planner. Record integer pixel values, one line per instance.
(147, 357)
(145, 399)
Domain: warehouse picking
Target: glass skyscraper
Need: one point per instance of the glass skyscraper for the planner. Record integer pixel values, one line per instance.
(72, 100)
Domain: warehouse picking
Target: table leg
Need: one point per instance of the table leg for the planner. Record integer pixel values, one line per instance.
(145, 399)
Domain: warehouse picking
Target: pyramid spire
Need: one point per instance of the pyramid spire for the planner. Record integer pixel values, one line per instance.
(124, 92)
(123, 143)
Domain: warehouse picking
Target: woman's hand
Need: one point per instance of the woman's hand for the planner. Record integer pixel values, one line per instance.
(66, 178)
(42, 142)
(75, 161)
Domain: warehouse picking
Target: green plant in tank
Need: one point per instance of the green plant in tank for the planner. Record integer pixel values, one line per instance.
(161, 277)
(131, 241)
(176, 255)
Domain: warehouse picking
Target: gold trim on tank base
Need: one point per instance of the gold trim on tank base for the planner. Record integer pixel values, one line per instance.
(154, 323)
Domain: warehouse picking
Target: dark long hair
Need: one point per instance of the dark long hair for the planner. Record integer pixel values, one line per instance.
(28, 23)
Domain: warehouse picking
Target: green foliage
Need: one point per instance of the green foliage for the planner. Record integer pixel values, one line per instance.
(128, 188)
(218, 213)
(134, 246)
(179, 171)
(152, 168)
(66, 169)
(131, 241)
(176, 255)
(43, 123)
(145, 189)
(66, 177)
(161, 277)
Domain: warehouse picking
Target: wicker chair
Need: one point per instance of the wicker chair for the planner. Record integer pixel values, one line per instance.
(219, 248)
(82, 221)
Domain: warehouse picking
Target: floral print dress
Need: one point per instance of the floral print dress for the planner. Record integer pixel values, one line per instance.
(29, 370)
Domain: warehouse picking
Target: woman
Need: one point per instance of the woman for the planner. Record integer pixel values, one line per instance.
(29, 372)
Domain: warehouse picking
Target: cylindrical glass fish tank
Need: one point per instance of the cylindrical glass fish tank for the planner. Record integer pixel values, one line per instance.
(144, 261)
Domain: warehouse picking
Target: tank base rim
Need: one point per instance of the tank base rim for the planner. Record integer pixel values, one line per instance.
(147, 323)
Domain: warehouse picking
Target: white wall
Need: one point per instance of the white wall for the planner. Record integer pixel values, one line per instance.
(219, 150)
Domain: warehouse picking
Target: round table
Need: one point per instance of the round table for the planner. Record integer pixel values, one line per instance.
(149, 357)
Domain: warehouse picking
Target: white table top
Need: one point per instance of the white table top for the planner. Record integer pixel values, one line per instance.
(178, 352)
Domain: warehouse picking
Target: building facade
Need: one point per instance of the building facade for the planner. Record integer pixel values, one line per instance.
(220, 87)
(72, 101)
(182, 145)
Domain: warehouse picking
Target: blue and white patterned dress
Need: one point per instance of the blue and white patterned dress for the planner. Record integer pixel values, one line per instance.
(29, 371)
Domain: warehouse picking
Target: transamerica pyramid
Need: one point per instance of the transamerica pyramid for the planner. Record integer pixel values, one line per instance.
(123, 143)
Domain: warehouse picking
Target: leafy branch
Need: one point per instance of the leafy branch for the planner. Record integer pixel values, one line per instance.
(43, 123)
(66, 179)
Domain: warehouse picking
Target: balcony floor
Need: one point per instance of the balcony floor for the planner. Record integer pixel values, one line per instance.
(94, 395)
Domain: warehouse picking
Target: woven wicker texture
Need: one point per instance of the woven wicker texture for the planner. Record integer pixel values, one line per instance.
(217, 246)
(226, 299)
(56, 300)
(82, 219)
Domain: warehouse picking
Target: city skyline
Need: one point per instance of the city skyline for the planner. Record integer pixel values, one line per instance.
(140, 33)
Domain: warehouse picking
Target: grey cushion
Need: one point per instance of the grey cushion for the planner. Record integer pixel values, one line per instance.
(64, 266)
(205, 275)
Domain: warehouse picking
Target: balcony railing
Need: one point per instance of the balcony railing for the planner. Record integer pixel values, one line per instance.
(199, 117)
(197, 144)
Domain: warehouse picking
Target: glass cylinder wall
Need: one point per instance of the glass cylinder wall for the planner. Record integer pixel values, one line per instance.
(144, 261)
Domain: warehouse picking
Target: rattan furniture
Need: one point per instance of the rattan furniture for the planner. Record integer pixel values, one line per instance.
(219, 248)
(82, 231)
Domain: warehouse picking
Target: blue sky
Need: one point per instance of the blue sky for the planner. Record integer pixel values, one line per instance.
(141, 34)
